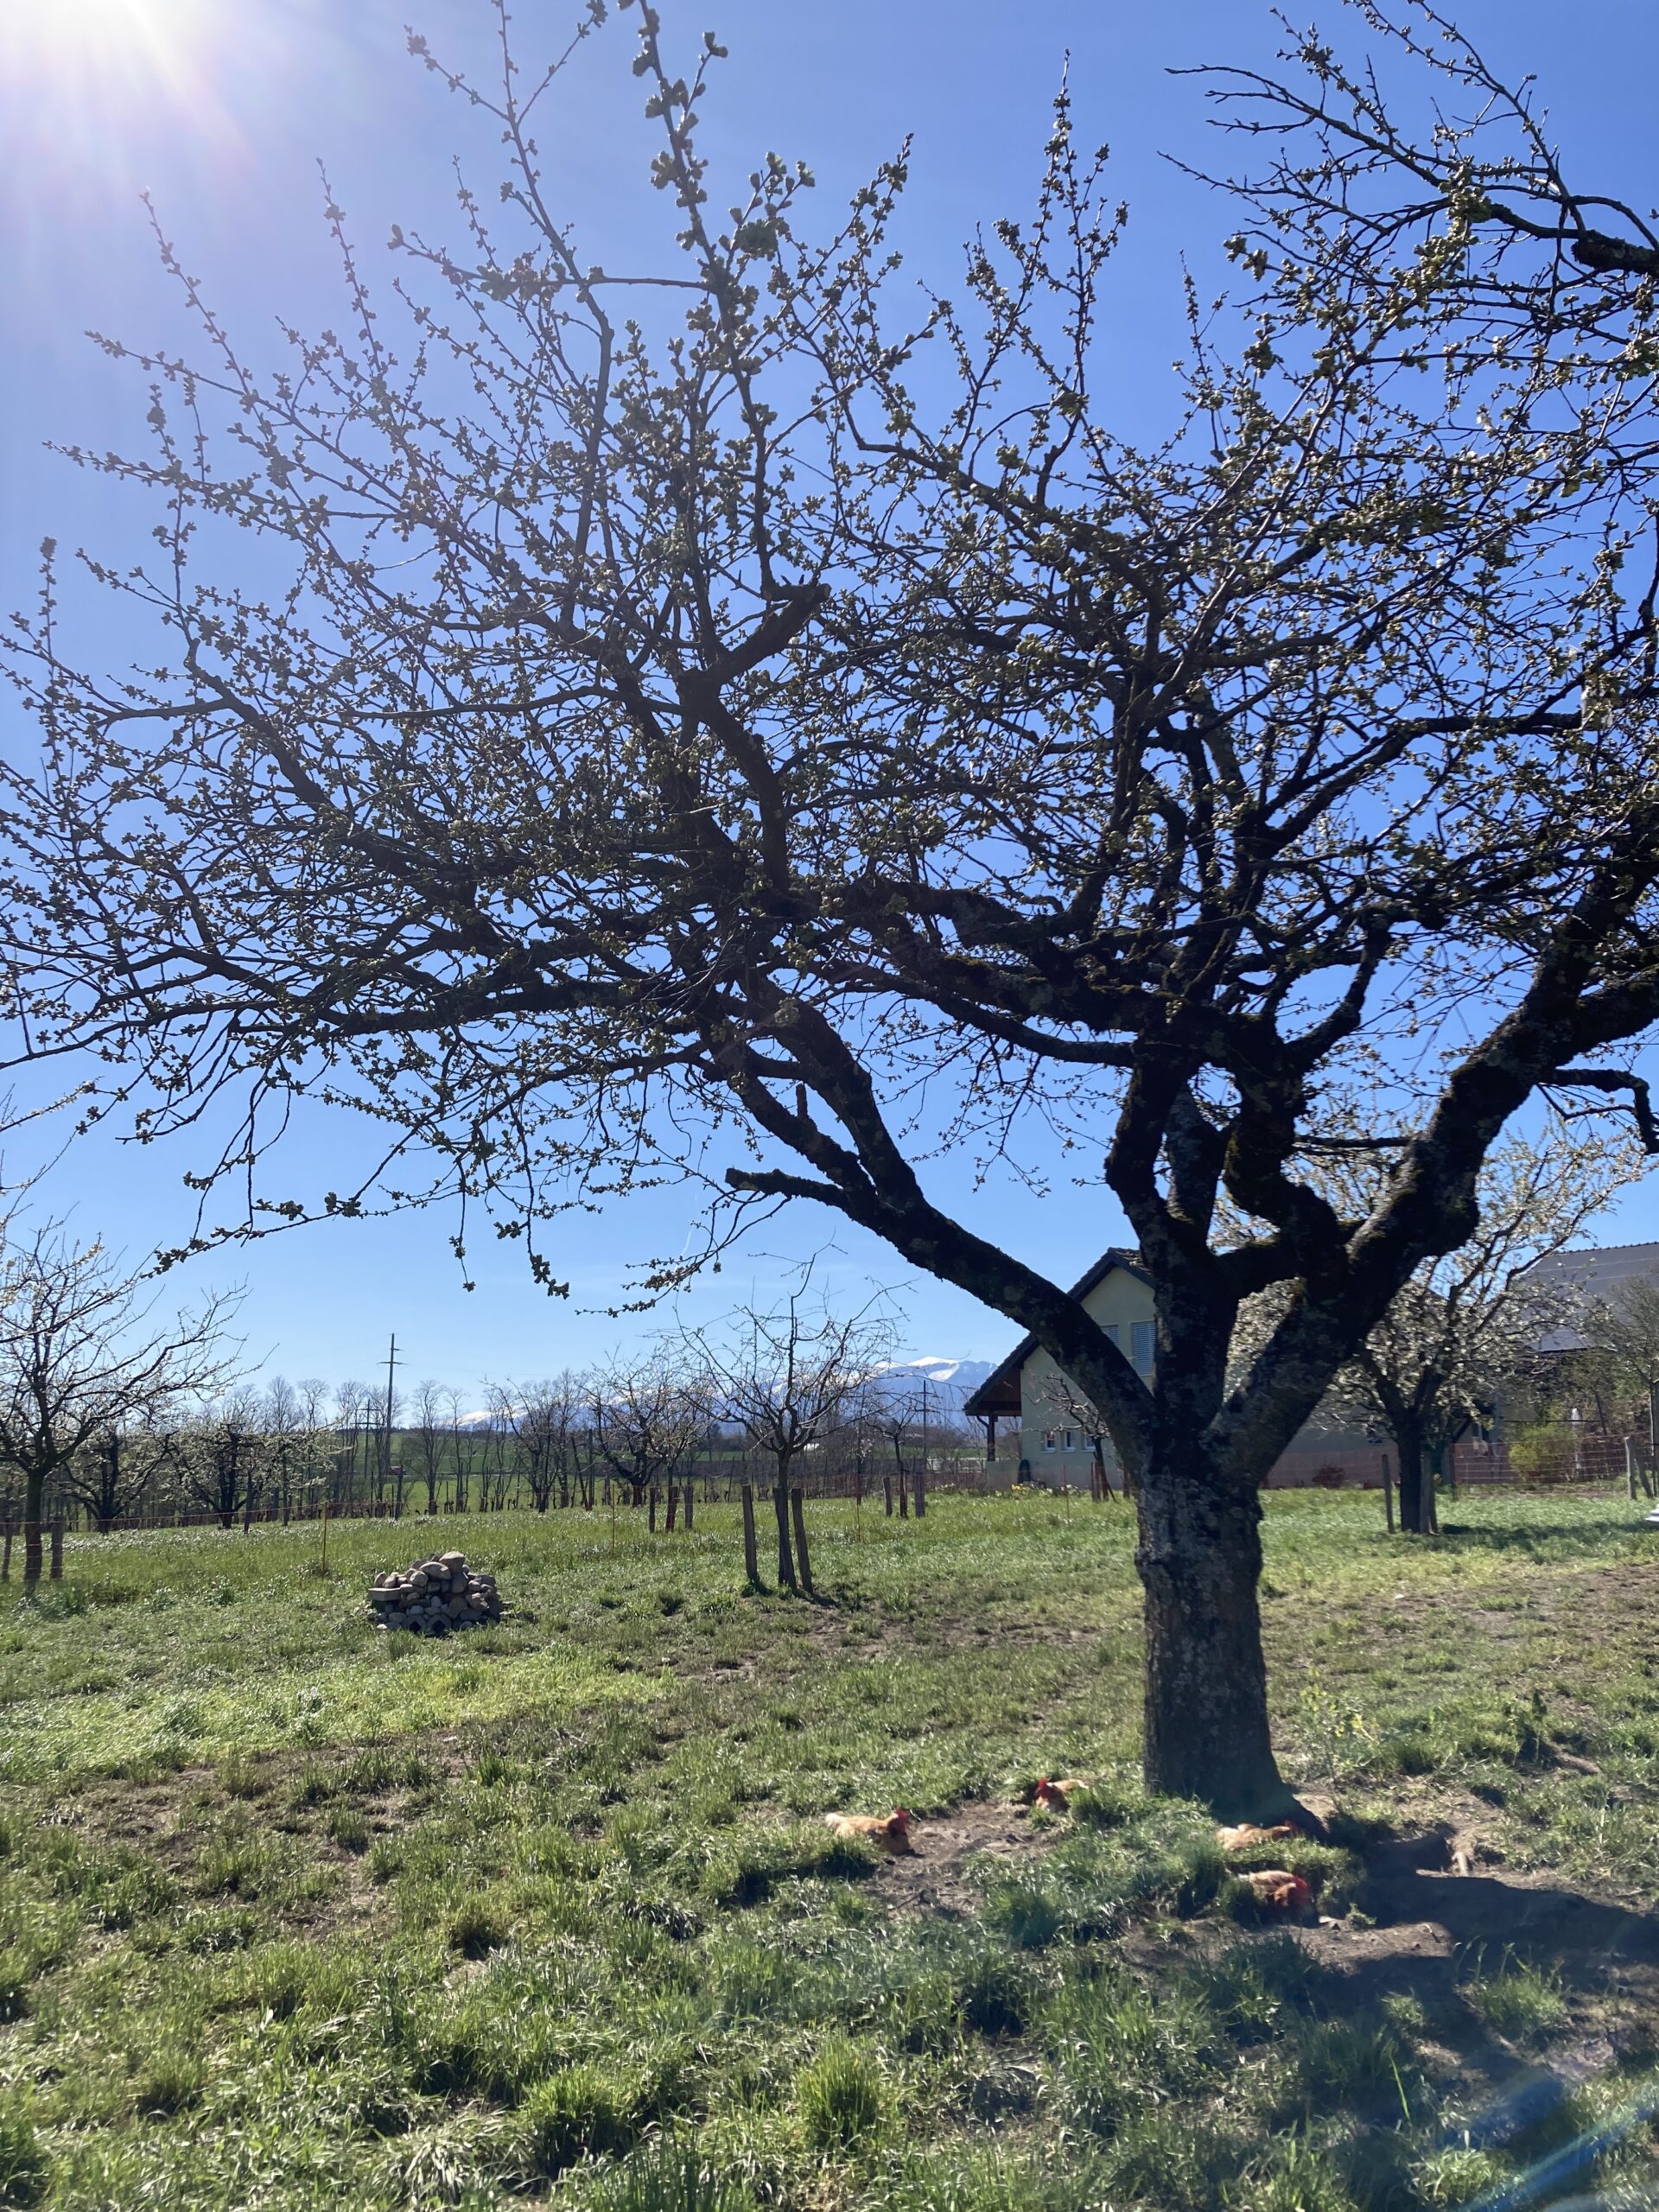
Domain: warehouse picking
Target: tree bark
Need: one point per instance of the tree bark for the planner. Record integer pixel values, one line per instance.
(1415, 1519)
(796, 1504)
(781, 1508)
(750, 1554)
(34, 1558)
(1205, 1678)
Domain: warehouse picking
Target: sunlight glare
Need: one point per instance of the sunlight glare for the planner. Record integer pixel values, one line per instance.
(95, 75)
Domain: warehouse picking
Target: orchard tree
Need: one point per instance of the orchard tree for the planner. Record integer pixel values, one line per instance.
(785, 1377)
(1471, 1324)
(85, 1362)
(692, 738)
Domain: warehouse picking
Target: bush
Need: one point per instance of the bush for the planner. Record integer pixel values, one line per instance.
(22, 2162)
(575, 2113)
(839, 2097)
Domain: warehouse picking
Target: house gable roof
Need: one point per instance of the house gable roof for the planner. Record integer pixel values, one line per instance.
(1000, 1392)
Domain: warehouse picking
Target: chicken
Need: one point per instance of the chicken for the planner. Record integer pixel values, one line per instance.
(1276, 1890)
(1247, 1833)
(1056, 1796)
(891, 1834)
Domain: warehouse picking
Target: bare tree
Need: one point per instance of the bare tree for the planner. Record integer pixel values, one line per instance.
(550, 1429)
(428, 1433)
(453, 1408)
(82, 1360)
(646, 1416)
(785, 1377)
(721, 723)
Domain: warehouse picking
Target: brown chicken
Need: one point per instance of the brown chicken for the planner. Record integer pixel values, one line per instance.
(1278, 1890)
(1056, 1796)
(1247, 1833)
(891, 1834)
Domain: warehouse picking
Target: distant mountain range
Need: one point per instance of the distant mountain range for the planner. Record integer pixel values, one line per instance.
(951, 1383)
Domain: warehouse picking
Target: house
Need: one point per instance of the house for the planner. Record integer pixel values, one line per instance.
(1037, 1424)
(1592, 1276)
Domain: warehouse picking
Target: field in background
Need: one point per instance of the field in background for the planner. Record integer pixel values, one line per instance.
(294, 1915)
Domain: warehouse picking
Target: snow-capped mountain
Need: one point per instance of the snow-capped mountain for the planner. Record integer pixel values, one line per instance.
(949, 1383)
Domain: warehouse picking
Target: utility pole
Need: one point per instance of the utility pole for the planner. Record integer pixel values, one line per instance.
(385, 1462)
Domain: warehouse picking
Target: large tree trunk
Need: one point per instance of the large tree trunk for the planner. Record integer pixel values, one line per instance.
(34, 1491)
(1205, 1680)
(1416, 1500)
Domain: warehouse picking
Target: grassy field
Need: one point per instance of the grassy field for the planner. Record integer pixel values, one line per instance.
(294, 1915)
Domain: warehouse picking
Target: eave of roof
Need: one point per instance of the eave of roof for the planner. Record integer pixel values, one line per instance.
(1000, 1392)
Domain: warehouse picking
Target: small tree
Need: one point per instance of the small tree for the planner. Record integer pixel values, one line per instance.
(647, 1419)
(81, 1361)
(427, 1433)
(785, 1377)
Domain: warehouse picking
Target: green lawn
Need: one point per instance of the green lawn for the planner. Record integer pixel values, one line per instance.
(292, 1914)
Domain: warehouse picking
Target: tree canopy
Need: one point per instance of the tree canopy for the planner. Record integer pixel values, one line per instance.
(732, 705)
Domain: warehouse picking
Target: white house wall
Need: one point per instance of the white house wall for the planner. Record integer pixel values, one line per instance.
(1120, 1302)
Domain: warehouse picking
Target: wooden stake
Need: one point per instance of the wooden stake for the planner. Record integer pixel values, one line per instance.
(1388, 1491)
(751, 1561)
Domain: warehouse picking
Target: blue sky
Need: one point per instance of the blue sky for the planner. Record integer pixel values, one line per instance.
(222, 109)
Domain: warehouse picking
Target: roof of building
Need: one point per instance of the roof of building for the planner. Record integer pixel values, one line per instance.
(1596, 1274)
(1000, 1392)
(1600, 1267)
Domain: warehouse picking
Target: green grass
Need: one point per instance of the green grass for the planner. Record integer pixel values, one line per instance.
(291, 1915)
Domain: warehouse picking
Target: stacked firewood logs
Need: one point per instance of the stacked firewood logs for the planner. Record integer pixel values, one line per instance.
(435, 1595)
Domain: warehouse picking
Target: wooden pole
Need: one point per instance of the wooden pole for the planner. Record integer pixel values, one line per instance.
(673, 1504)
(651, 1510)
(324, 1532)
(1388, 1491)
(57, 1549)
(5, 1556)
(887, 1492)
(798, 1517)
(751, 1559)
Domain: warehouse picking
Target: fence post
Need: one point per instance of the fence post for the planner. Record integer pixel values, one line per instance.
(1629, 1469)
(1388, 1491)
(887, 1492)
(751, 1561)
(651, 1510)
(921, 1486)
(57, 1549)
(687, 1491)
(798, 1517)
(5, 1553)
(673, 1505)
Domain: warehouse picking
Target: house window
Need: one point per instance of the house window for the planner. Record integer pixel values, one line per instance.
(1070, 1439)
(1048, 1440)
(1141, 1346)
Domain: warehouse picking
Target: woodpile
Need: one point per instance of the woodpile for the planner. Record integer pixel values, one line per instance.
(435, 1595)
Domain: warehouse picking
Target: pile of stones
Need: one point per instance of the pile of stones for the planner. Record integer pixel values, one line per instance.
(435, 1596)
